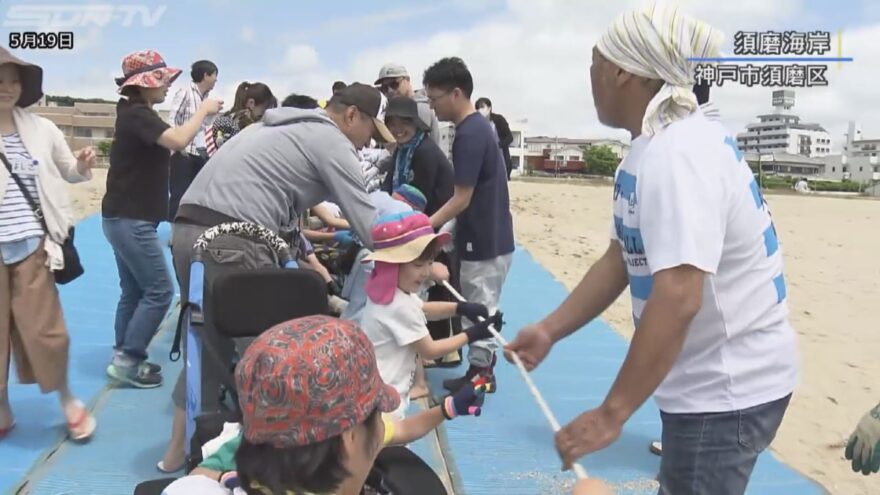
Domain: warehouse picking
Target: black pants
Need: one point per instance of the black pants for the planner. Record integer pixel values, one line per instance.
(445, 328)
(184, 168)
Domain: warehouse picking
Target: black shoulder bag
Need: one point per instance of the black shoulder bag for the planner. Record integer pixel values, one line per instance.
(72, 266)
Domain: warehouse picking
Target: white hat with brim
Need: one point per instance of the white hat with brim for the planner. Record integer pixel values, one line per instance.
(411, 251)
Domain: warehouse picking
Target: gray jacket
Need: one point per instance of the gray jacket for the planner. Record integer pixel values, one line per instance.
(271, 172)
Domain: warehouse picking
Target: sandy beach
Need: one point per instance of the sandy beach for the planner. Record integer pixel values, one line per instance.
(832, 282)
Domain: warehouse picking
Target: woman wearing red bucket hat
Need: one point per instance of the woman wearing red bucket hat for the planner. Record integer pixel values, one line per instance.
(35, 220)
(135, 202)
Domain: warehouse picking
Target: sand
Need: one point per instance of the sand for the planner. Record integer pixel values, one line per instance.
(833, 288)
(832, 285)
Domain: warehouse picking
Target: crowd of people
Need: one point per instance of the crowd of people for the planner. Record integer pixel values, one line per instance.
(361, 188)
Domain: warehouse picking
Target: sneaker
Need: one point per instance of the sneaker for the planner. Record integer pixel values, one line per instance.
(153, 368)
(135, 376)
(122, 359)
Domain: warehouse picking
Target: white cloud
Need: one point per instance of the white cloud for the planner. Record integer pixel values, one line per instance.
(348, 26)
(300, 58)
(247, 34)
(534, 61)
(94, 83)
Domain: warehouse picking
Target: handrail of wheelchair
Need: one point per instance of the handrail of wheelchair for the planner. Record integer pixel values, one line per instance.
(248, 230)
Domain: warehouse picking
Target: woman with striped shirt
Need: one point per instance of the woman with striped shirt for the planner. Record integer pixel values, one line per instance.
(31, 320)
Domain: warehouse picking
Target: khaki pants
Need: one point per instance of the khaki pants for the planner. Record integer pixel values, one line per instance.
(32, 324)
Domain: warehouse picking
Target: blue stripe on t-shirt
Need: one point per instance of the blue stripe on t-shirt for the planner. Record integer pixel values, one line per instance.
(625, 185)
(756, 194)
(770, 240)
(631, 238)
(779, 283)
(640, 286)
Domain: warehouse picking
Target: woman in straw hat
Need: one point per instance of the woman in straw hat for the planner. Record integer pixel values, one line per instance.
(135, 202)
(37, 163)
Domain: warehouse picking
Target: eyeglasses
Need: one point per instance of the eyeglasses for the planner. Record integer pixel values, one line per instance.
(387, 86)
(434, 98)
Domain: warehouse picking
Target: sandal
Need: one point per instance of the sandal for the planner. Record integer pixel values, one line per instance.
(161, 467)
(4, 432)
(83, 427)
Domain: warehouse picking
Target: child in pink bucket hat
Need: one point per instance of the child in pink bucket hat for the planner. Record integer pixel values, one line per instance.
(395, 318)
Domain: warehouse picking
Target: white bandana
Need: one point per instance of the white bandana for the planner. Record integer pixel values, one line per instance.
(656, 43)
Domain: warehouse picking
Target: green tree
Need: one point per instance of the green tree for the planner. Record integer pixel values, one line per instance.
(104, 147)
(600, 160)
(69, 101)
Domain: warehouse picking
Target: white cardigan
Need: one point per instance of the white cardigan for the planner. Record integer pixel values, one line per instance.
(45, 142)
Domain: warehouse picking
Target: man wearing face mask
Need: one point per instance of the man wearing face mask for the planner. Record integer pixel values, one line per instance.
(505, 137)
(394, 80)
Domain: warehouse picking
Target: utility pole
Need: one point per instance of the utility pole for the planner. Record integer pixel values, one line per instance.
(556, 160)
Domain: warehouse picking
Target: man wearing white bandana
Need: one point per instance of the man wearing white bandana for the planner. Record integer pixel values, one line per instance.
(693, 238)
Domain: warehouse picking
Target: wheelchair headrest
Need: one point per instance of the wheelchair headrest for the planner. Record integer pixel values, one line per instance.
(247, 302)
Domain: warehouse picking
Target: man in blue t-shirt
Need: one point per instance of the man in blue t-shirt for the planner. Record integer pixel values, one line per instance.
(480, 204)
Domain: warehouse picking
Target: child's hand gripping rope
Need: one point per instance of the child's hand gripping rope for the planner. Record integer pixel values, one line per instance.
(481, 331)
(472, 311)
(468, 401)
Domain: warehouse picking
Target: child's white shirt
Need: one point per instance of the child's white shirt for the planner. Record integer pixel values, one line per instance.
(392, 329)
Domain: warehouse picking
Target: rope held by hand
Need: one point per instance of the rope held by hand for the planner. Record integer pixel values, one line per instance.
(579, 471)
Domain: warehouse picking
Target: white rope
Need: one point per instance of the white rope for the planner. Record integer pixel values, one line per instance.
(579, 471)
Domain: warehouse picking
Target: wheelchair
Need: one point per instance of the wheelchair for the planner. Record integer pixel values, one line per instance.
(245, 303)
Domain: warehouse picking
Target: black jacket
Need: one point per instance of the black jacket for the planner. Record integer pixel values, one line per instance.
(433, 175)
(505, 138)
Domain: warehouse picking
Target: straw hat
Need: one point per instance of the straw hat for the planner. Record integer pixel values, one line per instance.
(30, 75)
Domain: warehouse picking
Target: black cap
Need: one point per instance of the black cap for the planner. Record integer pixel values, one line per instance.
(405, 107)
(369, 101)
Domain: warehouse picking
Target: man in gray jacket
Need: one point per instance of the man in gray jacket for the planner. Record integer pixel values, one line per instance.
(270, 174)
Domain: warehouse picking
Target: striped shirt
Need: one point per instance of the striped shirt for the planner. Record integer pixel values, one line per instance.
(17, 218)
(183, 107)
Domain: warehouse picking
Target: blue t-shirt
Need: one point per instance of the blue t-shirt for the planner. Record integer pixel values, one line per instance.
(485, 229)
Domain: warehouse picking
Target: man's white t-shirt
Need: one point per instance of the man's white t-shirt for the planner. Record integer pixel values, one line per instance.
(393, 329)
(686, 197)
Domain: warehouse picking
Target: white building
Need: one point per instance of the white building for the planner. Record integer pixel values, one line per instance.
(518, 147)
(858, 162)
(783, 131)
(535, 146)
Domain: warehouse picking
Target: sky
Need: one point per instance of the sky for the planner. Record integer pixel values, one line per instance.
(531, 57)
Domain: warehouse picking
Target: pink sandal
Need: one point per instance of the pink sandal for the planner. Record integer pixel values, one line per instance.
(4, 432)
(82, 429)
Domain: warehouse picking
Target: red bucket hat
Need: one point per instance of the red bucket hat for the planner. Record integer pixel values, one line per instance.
(307, 380)
(146, 69)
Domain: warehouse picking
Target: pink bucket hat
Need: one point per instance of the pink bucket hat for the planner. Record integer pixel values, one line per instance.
(402, 237)
(146, 69)
(398, 238)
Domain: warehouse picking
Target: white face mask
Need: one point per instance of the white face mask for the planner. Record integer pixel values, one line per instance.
(484, 111)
